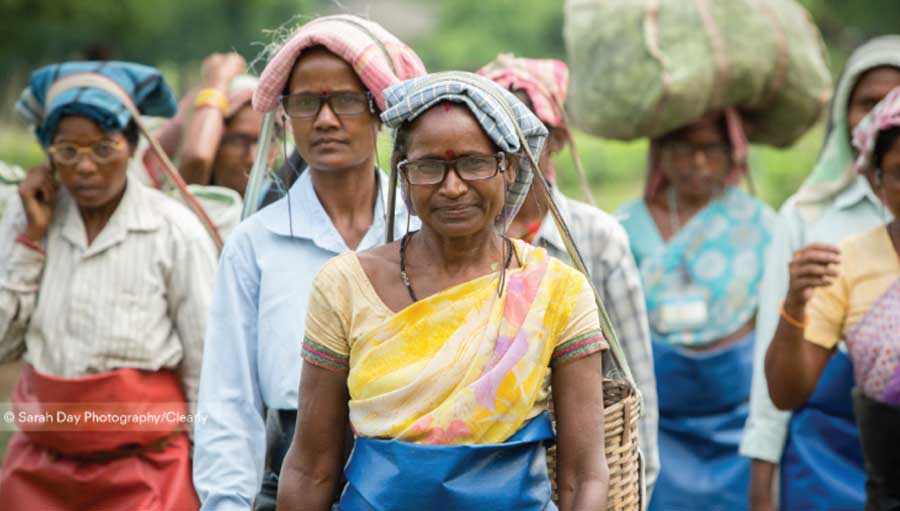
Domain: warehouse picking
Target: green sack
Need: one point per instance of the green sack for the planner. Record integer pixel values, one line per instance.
(642, 68)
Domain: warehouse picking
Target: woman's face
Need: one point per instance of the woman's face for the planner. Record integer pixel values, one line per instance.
(454, 207)
(91, 184)
(237, 150)
(329, 142)
(696, 159)
(889, 186)
(870, 89)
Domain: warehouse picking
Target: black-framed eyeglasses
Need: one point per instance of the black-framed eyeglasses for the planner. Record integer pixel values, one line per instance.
(712, 152)
(474, 167)
(306, 105)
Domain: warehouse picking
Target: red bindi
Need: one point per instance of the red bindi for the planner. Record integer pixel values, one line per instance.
(324, 92)
(451, 154)
(446, 107)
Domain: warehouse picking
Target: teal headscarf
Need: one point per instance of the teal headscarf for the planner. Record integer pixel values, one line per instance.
(144, 85)
(834, 170)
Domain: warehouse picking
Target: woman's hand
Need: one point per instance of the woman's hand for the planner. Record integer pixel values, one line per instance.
(38, 194)
(812, 266)
(220, 68)
(793, 366)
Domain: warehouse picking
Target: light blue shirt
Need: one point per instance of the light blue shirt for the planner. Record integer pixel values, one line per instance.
(251, 357)
(854, 210)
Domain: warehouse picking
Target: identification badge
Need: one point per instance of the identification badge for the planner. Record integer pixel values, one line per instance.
(682, 310)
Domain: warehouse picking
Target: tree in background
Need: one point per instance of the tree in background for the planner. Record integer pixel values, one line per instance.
(158, 32)
(459, 34)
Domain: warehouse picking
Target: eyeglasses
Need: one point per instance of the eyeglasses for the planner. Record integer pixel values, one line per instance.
(306, 105)
(240, 142)
(476, 167)
(712, 152)
(102, 152)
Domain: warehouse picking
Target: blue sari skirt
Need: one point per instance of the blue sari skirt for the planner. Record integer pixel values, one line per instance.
(397, 476)
(703, 405)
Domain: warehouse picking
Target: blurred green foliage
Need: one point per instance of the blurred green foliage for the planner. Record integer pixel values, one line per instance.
(464, 34)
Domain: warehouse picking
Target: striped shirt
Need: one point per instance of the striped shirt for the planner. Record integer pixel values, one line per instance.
(603, 244)
(136, 297)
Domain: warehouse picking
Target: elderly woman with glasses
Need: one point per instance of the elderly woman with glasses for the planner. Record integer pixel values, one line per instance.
(437, 349)
(699, 242)
(104, 290)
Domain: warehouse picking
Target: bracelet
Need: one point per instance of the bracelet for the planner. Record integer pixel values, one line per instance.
(213, 98)
(791, 320)
(30, 243)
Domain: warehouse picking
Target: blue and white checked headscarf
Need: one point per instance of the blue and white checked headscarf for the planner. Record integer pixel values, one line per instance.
(144, 85)
(502, 116)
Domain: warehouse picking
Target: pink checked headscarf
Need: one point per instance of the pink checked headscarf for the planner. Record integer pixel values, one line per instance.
(884, 116)
(378, 57)
(545, 81)
(656, 178)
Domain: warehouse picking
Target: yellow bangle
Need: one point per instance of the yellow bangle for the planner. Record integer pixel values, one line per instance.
(213, 98)
(790, 319)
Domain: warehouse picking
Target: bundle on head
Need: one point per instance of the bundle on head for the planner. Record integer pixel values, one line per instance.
(642, 68)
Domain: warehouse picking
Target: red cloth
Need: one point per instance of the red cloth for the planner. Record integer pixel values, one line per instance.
(545, 81)
(378, 57)
(35, 477)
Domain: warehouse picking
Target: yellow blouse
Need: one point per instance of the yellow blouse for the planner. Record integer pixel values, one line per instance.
(869, 266)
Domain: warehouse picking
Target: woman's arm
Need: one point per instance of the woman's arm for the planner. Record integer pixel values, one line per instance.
(23, 266)
(582, 472)
(762, 478)
(312, 466)
(794, 365)
(205, 126)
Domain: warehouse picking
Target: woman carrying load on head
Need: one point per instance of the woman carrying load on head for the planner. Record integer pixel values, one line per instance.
(542, 86)
(437, 349)
(699, 241)
(854, 294)
(104, 294)
(817, 444)
(326, 81)
(213, 140)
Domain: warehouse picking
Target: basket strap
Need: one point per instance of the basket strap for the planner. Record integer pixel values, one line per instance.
(391, 205)
(717, 43)
(651, 41)
(260, 166)
(782, 61)
(618, 355)
(576, 158)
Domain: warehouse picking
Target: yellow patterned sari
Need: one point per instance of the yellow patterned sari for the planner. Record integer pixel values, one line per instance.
(460, 367)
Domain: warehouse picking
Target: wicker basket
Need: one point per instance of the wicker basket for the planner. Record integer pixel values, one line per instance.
(621, 409)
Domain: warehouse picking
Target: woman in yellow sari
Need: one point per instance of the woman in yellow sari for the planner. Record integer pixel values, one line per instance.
(438, 348)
